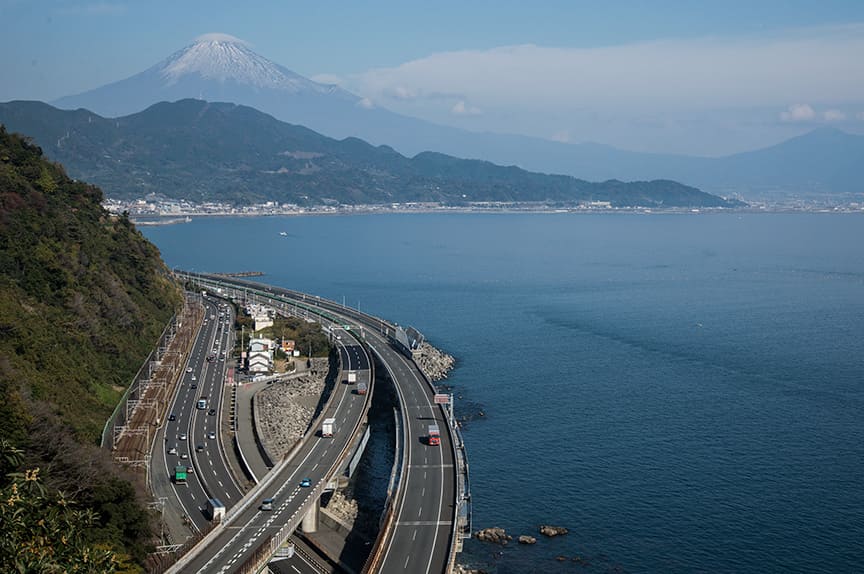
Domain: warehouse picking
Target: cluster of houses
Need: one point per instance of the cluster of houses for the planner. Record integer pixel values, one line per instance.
(261, 351)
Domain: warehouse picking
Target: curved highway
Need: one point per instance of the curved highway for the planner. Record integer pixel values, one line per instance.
(420, 532)
(419, 538)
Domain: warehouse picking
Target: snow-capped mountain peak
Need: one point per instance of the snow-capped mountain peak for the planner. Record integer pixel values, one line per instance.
(224, 58)
(222, 68)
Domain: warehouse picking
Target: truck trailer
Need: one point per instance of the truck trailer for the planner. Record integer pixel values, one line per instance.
(434, 435)
(215, 509)
(352, 377)
(180, 474)
(327, 428)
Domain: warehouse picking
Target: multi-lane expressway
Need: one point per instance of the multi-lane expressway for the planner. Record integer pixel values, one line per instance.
(248, 527)
(419, 530)
(190, 436)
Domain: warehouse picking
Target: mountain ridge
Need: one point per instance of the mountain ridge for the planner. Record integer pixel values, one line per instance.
(206, 151)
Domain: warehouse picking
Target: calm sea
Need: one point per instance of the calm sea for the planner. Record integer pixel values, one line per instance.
(685, 393)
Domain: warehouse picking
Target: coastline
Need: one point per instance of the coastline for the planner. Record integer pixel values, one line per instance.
(172, 218)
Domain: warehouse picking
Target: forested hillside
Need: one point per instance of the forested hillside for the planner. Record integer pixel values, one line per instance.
(83, 297)
(204, 151)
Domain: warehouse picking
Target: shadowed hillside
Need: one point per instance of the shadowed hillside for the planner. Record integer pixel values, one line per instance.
(83, 297)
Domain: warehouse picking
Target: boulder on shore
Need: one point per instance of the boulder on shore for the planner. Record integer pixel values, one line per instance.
(494, 534)
(525, 539)
(550, 531)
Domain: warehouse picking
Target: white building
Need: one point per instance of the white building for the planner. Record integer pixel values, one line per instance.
(262, 321)
(260, 355)
(261, 315)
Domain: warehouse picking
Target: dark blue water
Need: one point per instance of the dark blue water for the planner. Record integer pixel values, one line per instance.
(685, 393)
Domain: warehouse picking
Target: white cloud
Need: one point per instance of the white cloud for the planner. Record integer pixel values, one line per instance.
(562, 136)
(798, 113)
(366, 103)
(401, 93)
(833, 115)
(460, 108)
(708, 96)
(812, 65)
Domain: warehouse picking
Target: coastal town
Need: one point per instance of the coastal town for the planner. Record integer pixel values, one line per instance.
(159, 210)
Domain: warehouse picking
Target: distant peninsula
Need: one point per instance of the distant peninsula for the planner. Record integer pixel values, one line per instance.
(216, 152)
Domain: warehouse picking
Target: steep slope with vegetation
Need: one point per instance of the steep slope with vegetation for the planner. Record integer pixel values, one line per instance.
(203, 151)
(83, 297)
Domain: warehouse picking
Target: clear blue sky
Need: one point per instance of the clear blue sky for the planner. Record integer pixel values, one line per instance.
(56, 48)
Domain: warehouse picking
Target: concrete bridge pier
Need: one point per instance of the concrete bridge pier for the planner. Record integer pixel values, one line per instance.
(310, 519)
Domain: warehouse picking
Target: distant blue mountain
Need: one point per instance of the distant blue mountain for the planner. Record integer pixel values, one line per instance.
(218, 68)
(825, 159)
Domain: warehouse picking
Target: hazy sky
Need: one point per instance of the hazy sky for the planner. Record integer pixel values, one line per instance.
(668, 76)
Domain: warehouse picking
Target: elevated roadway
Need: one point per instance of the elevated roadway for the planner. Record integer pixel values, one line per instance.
(421, 529)
(251, 534)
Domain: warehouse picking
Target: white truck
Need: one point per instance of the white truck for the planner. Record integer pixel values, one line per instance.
(327, 428)
(352, 377)
(215, 509)
(361, 388)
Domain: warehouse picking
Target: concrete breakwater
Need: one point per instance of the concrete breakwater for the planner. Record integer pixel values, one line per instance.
(286, 408)
(434, 363)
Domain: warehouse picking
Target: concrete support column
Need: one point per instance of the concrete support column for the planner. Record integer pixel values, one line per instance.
(310, 520)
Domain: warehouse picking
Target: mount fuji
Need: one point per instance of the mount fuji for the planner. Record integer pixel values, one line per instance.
(217, 68)
(222, 68)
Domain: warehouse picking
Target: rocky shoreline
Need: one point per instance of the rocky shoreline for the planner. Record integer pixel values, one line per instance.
(497, 535)
(434, 363)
